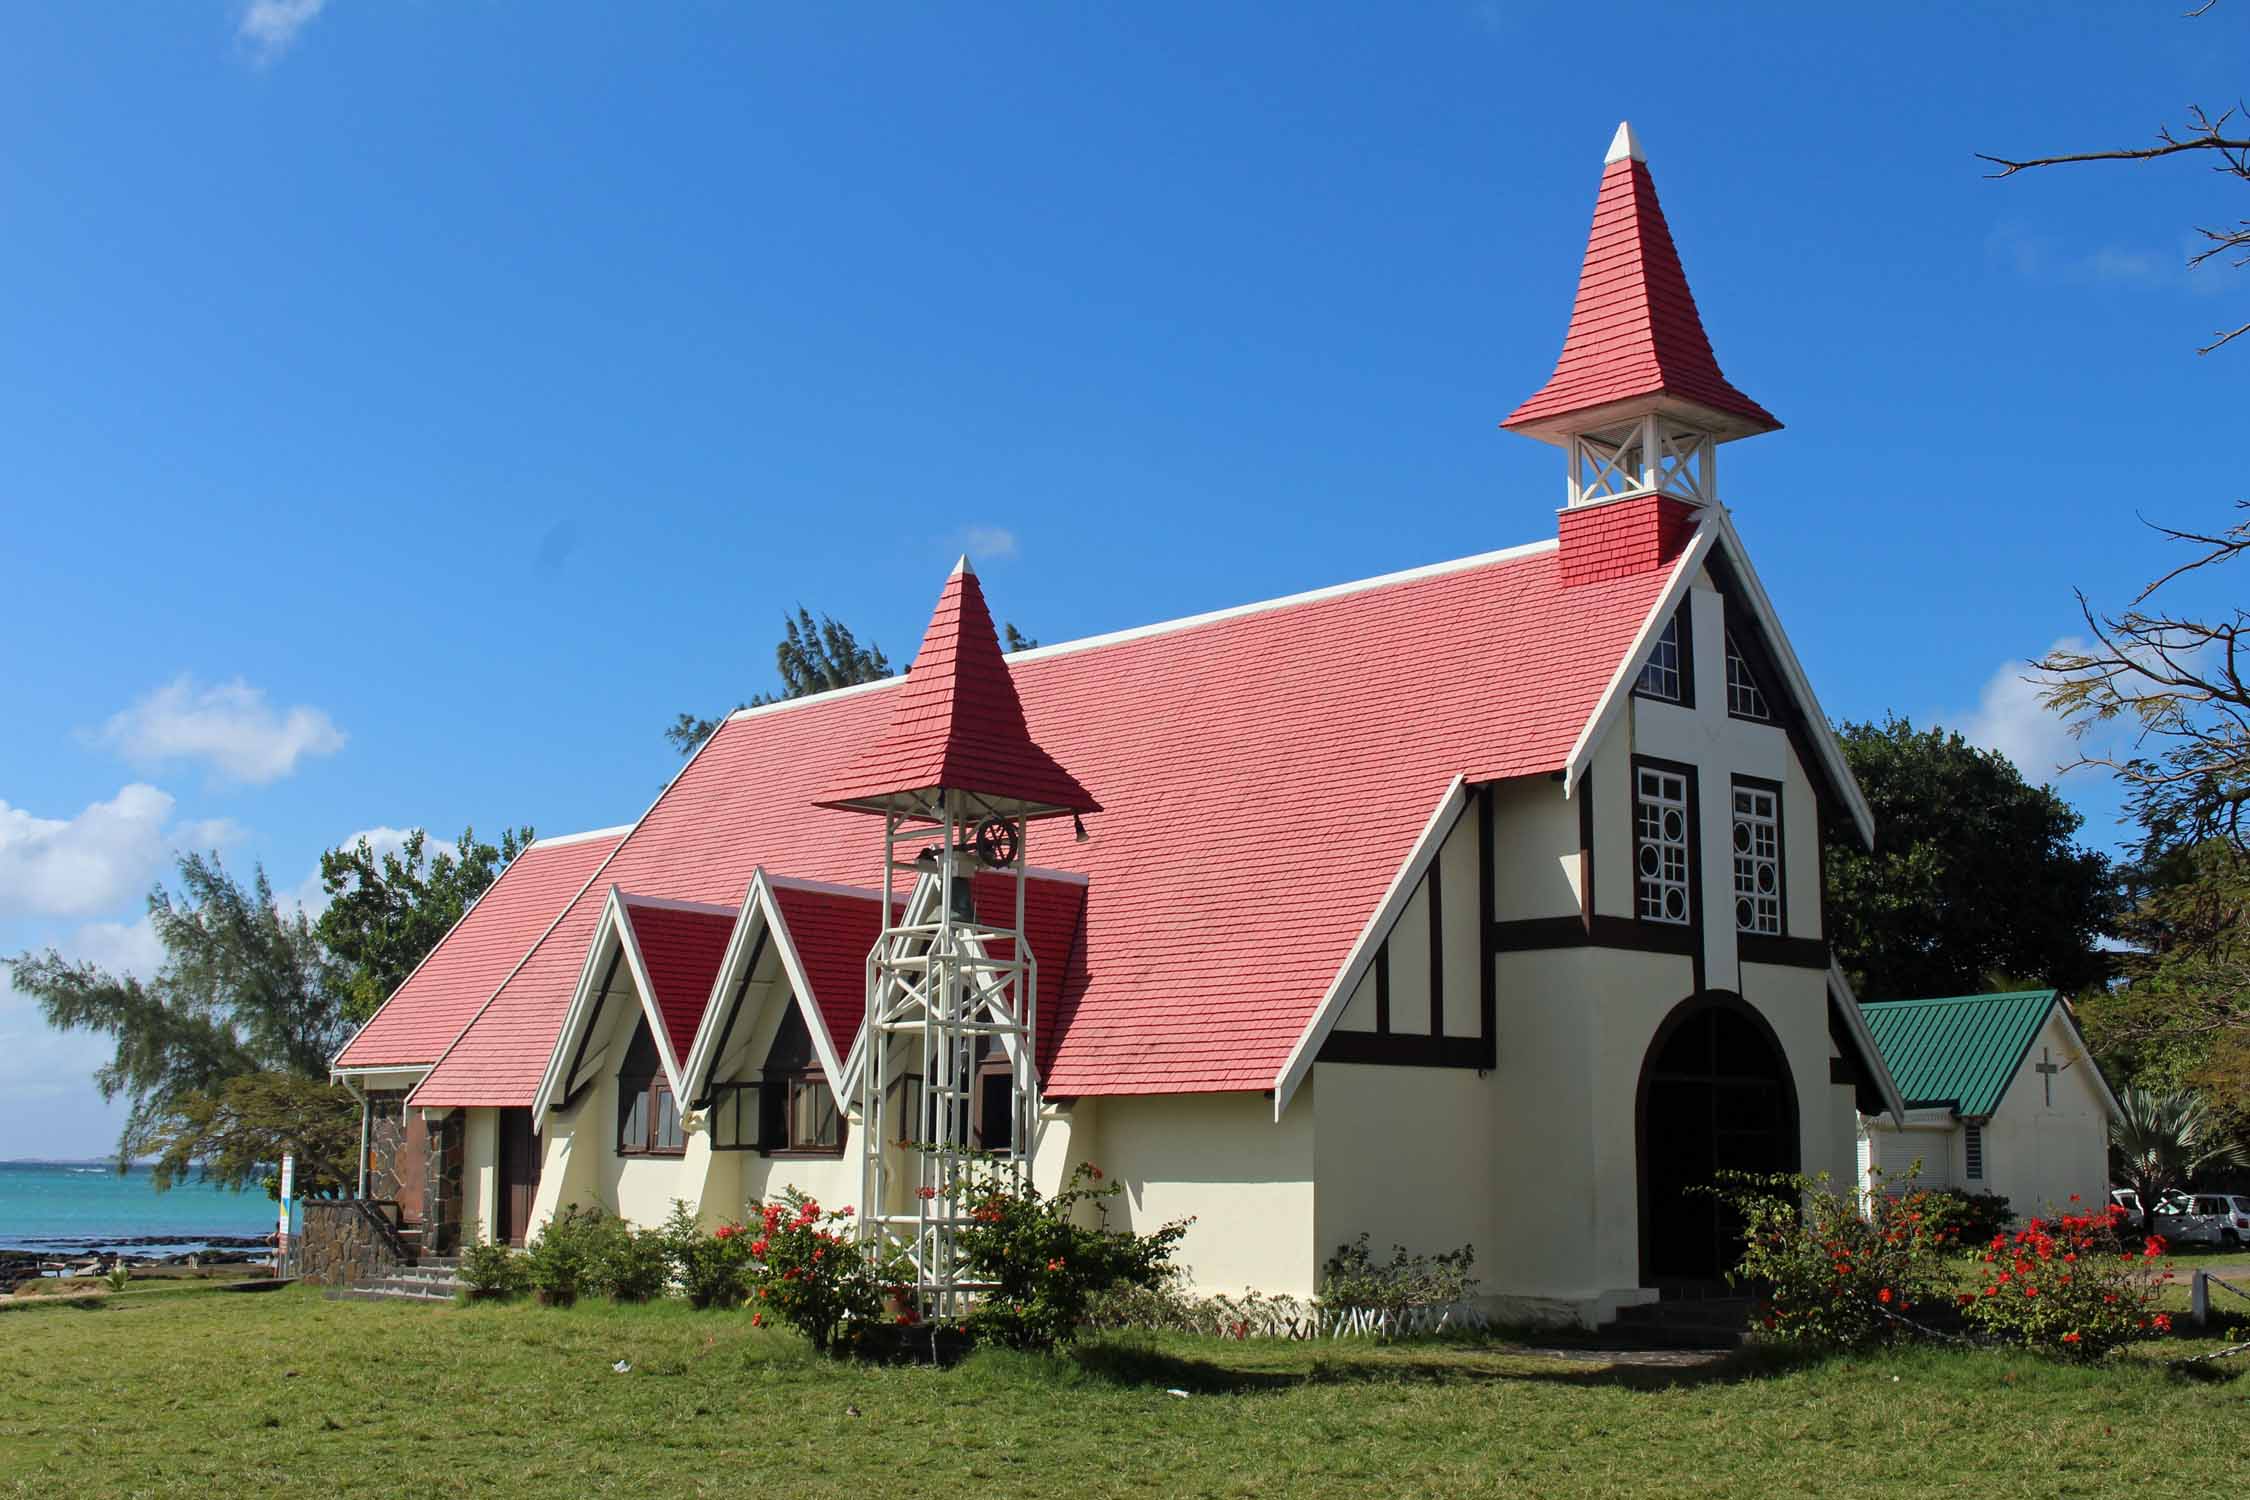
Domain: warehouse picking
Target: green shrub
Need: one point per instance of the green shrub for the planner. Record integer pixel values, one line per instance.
(712, 1268)
(1974, 1217)
(628, 1264)
(1831, 1277)
(2069, 1287)
(1395, 1296)
(489, 1270)
(559, 1261)
(1047, 1266)
(1168, 1306)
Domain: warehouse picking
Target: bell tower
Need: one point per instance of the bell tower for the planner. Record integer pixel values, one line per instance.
(952, 983)
(1637, 401)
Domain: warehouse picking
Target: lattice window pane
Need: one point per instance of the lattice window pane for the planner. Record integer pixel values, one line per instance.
(1661, 824)
(1660, 678)
(1745, 700)
(1757, 861)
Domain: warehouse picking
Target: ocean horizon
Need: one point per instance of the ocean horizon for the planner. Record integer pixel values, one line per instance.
(66, 1206)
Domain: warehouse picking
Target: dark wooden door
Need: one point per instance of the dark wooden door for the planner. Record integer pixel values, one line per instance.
(519, 1176)
(1716, 1097)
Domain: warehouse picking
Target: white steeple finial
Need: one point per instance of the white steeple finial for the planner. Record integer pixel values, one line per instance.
(1625, 146)
(962, 569)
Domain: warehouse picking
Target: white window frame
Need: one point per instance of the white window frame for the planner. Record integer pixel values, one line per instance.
(1757, 851)
(1745, 699)
(1664, 674)
(1663, 845)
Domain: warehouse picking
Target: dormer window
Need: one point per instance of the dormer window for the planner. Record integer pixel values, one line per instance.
(1745, 699)
(1666, 674)
(798, 1111)
(648, 1117)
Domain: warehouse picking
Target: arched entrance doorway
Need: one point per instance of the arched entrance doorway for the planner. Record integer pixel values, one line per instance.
(1715, 1096)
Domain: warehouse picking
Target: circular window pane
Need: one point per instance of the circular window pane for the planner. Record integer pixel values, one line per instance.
(1675, 904)
(1742, 838)
(1742, 914)
(1648, 859)
(1765, 879)
(1674, 826)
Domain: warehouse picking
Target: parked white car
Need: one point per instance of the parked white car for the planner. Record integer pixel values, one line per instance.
(2205, 1218)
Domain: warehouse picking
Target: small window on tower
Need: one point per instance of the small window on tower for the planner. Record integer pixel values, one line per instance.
(1665, 675)
(1660, 813)
(1745, 700)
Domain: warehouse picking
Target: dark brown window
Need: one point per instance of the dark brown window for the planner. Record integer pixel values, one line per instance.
(1669, 672)
(648, 1117)
(798, 1112)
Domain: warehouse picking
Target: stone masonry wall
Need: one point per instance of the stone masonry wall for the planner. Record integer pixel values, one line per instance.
(337, 1245)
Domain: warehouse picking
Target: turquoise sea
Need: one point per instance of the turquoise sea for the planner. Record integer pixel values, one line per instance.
(78, 1205)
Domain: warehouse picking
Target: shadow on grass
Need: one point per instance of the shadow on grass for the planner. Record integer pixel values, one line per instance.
(1123, 1362)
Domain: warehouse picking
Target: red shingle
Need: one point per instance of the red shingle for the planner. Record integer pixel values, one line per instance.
(1264, 774)
(957, 724)
(467, 965)
(682, 950)
(1634, 330)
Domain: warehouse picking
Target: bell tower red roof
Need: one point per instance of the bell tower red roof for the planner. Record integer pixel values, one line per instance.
(958, 726)
(1636, 342)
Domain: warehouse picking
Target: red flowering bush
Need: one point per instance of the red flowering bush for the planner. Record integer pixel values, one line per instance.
(1828, 1275)
(1044, 1263)
(808, 1270)
(2069, 1286)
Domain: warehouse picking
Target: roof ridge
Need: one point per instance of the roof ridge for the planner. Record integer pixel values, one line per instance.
(557, 841)
(1967, 999)
(1221, 615)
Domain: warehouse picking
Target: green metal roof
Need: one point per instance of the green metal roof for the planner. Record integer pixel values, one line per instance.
(1960, 1051)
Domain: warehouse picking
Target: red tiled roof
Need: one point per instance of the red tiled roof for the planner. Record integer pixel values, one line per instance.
(832, 932)
(1265, 773)
(957, 723)
(682, 949)
(1634, 330)
(467, 965)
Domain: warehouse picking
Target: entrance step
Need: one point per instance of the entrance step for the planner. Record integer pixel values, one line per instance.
(1700, 1323)
(422, 1283)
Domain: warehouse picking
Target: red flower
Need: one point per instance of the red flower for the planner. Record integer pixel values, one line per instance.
(909, 1318)
(925, 1193)
(1056, 1264)
(2071, 1337)
(726, 1231)
(758, 1320)
(758, 1245)
(2163, 1323)
(1884, 1295)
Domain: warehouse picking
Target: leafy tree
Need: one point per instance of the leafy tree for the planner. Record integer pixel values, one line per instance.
(2160, 1141)
(1974, 875)
(237, 1131)
(245, 988)
(385, 915)
(813, 657)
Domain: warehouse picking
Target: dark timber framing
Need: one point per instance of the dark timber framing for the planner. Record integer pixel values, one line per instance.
(1433, 1048)
(734, 1012)
(572, 1090)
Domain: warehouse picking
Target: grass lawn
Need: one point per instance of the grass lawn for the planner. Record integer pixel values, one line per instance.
(185, 1391)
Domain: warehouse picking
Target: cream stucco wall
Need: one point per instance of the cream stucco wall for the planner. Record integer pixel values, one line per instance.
(480, 1169)
(2037, 1153)
(1223, 1160)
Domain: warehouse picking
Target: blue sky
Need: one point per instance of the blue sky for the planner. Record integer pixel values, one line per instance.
(406, 408)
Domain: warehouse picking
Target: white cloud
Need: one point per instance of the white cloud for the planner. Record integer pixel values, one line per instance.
(229, 724)
(75, 866)
(989, 543)
(270, 27)
(2010, 718)
(312, 899)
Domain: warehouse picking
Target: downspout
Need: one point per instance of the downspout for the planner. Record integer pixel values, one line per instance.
(364, 1127)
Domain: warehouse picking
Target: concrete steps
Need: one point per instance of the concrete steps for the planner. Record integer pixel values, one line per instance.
(1684, 1323)
(432, 1279)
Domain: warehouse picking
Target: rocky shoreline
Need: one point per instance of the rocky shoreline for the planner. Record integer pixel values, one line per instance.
(90, 1255)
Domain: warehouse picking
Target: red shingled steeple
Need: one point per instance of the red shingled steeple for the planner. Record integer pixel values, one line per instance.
(1635, 338)
(958, 725)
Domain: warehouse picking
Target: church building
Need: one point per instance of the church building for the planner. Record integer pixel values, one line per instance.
(1479, 904)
